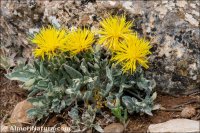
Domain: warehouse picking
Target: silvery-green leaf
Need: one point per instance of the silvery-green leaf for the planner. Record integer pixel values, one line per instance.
(143, 84)
(72, 72)
(97, 48)
(87, 95)
(36, 65)
(87, 79)
(96, 66)
(43, 70)
(50, 86)
(34, 91)
(69, 91)
(128, 102)
(147, 111)
(36, 112)
(42, 83)
(152, 84)
(20, 76)
(84, 68)
(98, 128)
(32, 112)
(110, 84)
(73, 113)
(29, 82)
(68, 101)
(153, 97)
(38, 104)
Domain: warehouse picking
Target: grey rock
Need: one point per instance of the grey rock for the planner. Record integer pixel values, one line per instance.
(175, 125)
(172, 26)
(174, 34)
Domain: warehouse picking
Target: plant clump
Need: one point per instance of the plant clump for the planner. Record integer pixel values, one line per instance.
(72, 69)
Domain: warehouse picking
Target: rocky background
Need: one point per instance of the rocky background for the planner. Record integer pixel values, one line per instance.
(172, 26)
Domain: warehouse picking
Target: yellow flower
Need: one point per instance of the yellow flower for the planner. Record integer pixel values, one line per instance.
(48, 41)
(78, 40)
(113, 31)
(131, 52)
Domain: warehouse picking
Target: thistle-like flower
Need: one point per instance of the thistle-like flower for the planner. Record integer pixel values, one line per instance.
(78, 40)
(113, 31)
(48, 41)
(131, 52)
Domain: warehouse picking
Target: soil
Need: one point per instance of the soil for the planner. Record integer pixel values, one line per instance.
(140, 123)
(11, 94)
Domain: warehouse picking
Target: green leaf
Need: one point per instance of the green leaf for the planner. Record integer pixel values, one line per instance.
(117, 112)
(68, 101)
(43, 71)
(110, 84)
(38, 101)
(29, 83)
(73, 113)
(84, 68)
(36, 113)
(23, 75)
(72, 72)
(34, 91)
(128, 102)
(36, 65)
(87, 95)
(43, 83)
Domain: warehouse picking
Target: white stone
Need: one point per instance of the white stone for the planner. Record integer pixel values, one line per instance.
(135, 8)
(164, 1)
(193, 5)
(195, 13)
(33, 30)
(170, 5)
(167, 48)
(180, 50)
(112, 3)
(127, 4)
(193, 66)
(175, 125)
(191, 20)
(181, 3)
(162, 11)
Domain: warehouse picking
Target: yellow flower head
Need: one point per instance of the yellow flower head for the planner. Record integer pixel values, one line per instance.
(132, 51)
(78, 40)
(48, 41)
(113, 31)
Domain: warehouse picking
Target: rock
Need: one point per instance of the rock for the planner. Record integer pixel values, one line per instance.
(188, 112)
(114, 128)
(181, 3)
(19, 114)
(175, 41)
(175, 125)
(190, 19)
